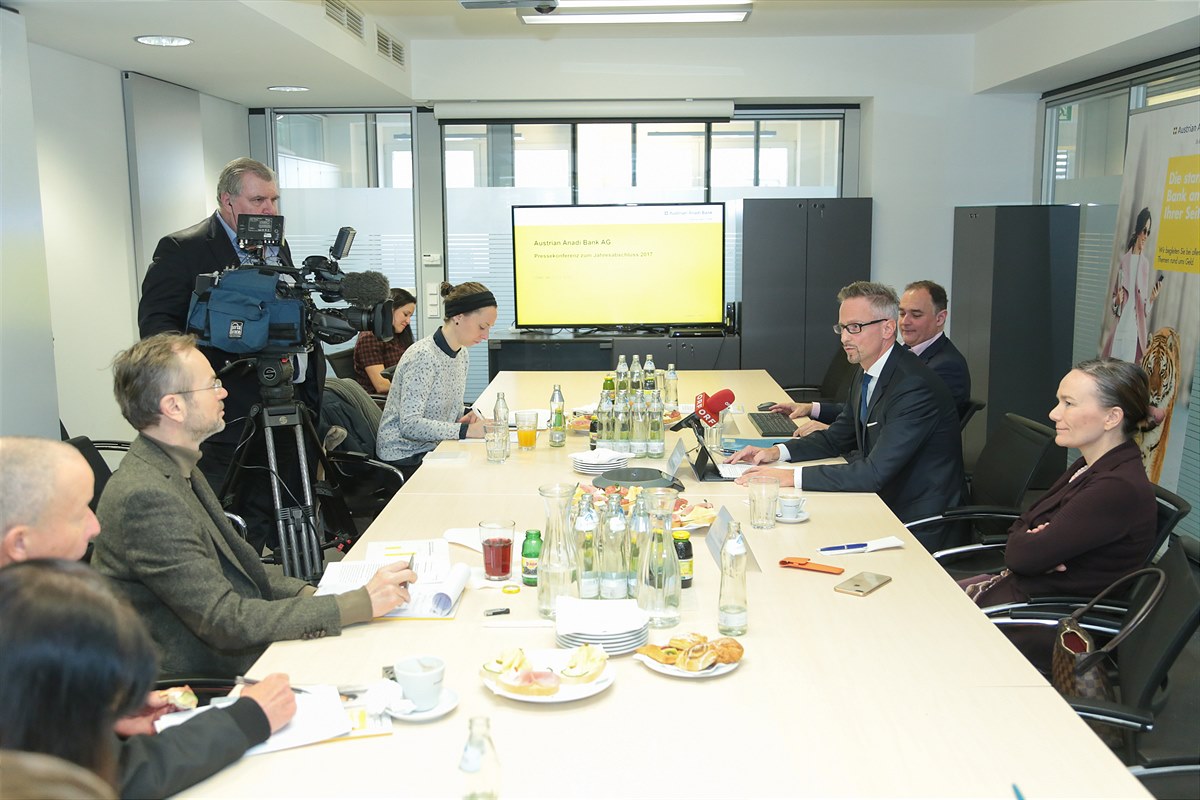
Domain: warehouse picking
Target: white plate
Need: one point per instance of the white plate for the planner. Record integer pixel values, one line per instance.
(676, 672)
(612, 650)
(446, 703)
(802, 518)
(567, 692)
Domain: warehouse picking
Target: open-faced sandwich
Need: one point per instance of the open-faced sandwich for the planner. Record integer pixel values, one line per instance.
(512, 672)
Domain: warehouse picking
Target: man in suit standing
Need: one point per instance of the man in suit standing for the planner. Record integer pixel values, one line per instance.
(204, 594)
(45, 489)
(923, 310)
(898, 429)
(245, 186)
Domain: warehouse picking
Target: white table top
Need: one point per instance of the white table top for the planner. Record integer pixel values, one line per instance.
(908, 692)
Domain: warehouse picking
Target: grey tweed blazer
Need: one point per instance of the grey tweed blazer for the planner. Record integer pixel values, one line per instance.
(209, 603)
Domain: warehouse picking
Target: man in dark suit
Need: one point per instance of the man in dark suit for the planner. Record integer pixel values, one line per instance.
(923, 311)
(208, 601)
(245, 186)
(898, 429)
(45, 489)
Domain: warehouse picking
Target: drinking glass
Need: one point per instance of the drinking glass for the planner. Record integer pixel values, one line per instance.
(526, 429)
(764, 493)
(495, 437)
(496, 536)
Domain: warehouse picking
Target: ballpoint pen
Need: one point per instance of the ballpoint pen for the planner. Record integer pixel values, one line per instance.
(242, 680)
(843, 547)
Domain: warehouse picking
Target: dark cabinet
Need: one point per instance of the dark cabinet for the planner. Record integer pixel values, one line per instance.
(796, 255)
(564, 352)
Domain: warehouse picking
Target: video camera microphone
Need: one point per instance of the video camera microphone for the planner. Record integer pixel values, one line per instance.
(707, 410)
(365, 289)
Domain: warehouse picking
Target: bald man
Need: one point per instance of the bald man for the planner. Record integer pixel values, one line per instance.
(45, 489)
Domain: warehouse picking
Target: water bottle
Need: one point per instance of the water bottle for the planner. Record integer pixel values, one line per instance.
(655, 441)
(659, 585)
(607, 437)
(500, 413)
(731, 603)
(585, 547)
(671, 389)
(639, 433)
(622, 424)
(479, 765)
(649, 375)
(622, 375)
(612, 552)
(635, 376)
(558, 421)
(639, 529)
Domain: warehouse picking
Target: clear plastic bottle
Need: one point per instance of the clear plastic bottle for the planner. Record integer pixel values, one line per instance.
(731, 603)
(639, 433)
(558, 419)
(658, 568)
(622, 375)
(607, 423)
(649, 375)
(612, 552)
(639, 530)
(500, 412)
(635, 376)
(585, 546)
(671, 389)
(655, 436)
(622, 424)
(479, 765)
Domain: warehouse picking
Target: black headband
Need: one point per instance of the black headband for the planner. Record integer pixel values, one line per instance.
(471, 302)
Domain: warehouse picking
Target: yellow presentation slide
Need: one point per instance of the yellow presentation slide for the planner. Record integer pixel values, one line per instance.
(660, 272)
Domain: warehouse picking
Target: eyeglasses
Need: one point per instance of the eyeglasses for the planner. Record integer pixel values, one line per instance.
(855, 327)
(216, 386)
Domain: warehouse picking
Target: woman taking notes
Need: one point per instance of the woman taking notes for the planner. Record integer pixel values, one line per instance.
(1097, 522)
(372, 356)
(425, 404)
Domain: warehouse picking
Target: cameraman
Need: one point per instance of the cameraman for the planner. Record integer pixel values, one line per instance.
(245, 186)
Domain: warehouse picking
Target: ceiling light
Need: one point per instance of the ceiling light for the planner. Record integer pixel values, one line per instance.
(163, 40)
(624, 12)
(287, 88)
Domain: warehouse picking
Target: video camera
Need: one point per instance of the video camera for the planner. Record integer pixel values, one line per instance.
(262, 308)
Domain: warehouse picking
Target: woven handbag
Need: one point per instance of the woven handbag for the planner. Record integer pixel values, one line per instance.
(1078, 667)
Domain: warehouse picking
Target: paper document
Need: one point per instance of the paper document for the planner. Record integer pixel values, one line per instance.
(319, 716)
(733, 471)
(434, 595)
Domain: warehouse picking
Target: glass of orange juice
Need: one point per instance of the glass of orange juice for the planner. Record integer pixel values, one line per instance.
(526, 429)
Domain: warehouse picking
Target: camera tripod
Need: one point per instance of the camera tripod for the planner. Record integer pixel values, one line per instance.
(296, 518)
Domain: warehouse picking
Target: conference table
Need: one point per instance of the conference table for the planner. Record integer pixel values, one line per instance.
(906, 692)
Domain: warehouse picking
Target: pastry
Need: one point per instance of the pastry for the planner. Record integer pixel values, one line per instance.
(663, 655)
(182, 697)
(691, 639)
(729, 651)
(697, 658)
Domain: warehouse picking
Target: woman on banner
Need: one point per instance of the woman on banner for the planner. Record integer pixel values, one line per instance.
(1132, 297)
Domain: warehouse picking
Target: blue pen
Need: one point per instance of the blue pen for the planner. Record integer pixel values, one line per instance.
(835, 548)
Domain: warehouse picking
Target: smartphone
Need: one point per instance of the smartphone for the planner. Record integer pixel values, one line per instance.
(863, 583)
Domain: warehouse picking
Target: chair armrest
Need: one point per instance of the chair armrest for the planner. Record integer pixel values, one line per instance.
(239, 523)
(1111, 713)
(354, 458)
(965, 514)
(965, 549)
(115, 445)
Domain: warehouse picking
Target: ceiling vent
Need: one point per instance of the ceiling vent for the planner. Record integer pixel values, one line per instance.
(346, 16)
(389, 47)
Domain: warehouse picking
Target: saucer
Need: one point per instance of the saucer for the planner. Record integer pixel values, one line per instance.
(802, 518)
(446, 703)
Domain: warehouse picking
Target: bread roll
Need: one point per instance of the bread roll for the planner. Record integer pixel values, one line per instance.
(729, 651)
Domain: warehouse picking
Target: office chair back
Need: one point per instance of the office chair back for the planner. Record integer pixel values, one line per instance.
(834, 385)
(101, 471)
(1145, 657)
(1008, 462)
(1171, 510)
(342, 362)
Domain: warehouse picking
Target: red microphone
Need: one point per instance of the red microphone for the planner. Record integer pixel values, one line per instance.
(709, 408)
(706, 408)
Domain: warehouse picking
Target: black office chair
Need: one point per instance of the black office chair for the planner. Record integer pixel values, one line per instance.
(1145, 657)
(91, 452)
(834, 384)
(1012, 456)
(342, 362)
(968, 410)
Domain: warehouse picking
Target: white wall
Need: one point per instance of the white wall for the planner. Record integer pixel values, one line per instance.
(27, 391)
(80, 130)
(929, 142)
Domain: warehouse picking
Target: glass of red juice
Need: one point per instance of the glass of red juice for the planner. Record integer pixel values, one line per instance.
(496, 536)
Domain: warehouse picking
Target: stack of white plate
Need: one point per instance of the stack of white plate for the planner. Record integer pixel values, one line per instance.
(595, 462)
(615, 644)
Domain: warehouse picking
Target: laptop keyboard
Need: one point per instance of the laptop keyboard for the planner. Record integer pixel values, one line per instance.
(770, 423)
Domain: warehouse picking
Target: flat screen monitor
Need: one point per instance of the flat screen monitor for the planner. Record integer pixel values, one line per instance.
(619, 266)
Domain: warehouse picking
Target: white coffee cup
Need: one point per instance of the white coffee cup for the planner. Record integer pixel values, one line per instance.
(421, 679)
(790, 506)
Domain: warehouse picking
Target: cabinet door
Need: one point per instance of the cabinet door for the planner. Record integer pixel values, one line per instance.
(660, 346)
(710, 352)
(838, 253)
(774, 235)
